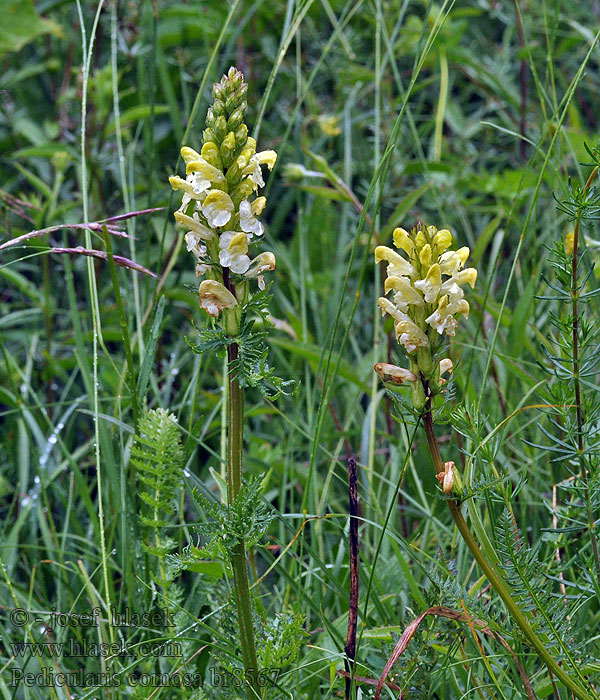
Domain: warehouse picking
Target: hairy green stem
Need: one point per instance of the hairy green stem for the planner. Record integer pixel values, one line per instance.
(238, 554)
(492, 574)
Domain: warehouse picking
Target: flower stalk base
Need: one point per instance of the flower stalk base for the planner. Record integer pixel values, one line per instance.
(493, 576)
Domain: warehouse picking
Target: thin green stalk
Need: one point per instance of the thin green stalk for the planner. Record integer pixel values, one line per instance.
(87, 50)
(238, 554)
(576, 381)
(492, 575)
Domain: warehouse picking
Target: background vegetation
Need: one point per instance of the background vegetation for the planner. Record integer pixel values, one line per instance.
(467, 115)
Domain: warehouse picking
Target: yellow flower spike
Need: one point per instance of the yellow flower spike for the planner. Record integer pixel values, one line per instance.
(402, 240)
(569, 243)
(426, 297)
(219, 194)
(425, 255)
(442, 240)
(431, 285)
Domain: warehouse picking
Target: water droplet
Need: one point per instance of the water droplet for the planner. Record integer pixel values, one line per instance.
(187, 473)
(36, 479)
(25, 501)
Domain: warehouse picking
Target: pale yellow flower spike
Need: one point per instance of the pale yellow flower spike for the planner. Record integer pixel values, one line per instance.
(219, 207)
(427, 285)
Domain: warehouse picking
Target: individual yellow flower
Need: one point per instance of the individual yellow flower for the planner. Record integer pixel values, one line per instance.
(194, 224)
(234, 251)
(397, 265)
(261, 263)
(248, 221)
(217, 207)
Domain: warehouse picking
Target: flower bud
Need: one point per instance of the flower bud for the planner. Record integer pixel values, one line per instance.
(446, 478)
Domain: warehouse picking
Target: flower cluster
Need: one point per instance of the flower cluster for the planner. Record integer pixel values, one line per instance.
(427, 294)
(219, 207)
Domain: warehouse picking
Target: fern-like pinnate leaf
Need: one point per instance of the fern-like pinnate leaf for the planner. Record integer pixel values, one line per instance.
(246, 518)
(251, 367)
(550, 615)
(158, 458)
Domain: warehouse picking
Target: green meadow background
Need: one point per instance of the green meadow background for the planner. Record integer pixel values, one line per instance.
(470, 116)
